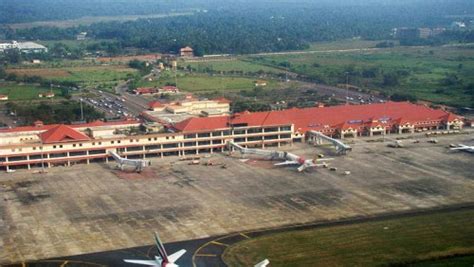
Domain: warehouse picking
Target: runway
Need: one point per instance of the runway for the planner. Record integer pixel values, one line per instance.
(208, 251)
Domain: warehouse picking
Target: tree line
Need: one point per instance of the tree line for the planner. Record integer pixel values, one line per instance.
(259, 27)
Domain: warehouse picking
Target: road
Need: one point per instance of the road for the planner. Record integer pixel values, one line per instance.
(350, 96)
(215, 57)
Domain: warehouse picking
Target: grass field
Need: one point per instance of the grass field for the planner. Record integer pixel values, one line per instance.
(205, 83)
(17, 92)
(344, 44)
(459, 261)
(232, 65)
(394, 241)
(106, 76)
(423, 70)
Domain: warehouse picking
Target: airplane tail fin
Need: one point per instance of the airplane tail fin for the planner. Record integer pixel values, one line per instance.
(161, 248)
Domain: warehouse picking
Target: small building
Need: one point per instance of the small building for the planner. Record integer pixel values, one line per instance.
(145, 91)
(169, 89)
(46, 95)
(36, 61)
(7, 46)
(186, 52)
(156, 106)
(260, 83)
(3, 97)
(81, 36)
(424, 33)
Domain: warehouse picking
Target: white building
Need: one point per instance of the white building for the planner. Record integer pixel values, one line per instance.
(24, 47)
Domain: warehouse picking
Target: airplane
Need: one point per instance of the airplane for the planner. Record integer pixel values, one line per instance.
(263, 263)
(289, 158)
(465, 148)
(292, 159)
(163, 260)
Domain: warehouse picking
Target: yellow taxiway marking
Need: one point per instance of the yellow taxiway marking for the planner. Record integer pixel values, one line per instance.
(206, 255)
(64, 264)
(244, 235)
(219, 243)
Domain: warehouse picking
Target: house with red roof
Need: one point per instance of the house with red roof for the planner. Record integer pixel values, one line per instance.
(186, 52)
(3, 97)
(169, 89)
(156, 106)
(145, 91)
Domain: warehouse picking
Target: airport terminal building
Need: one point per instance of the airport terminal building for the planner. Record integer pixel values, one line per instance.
(43, 146)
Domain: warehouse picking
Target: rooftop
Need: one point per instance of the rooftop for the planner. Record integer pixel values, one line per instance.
(62, 133)
(39, 127)
(317, 118)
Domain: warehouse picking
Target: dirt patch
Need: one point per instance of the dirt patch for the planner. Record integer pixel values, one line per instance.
(266, 164)
(147, 173)
(41, 72)
(421, 188)
(148, 57)
(24, 192)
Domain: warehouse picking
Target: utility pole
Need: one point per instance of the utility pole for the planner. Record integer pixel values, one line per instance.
(347, 88)
(82, 111)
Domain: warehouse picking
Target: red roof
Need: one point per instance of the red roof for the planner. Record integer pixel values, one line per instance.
(202, 124)
(169, 88)
(42, 128)
(222, 100)
(319, 118)
(145, 90)
(186, 49)
(62, 133)
(451, 117)
(155, 104)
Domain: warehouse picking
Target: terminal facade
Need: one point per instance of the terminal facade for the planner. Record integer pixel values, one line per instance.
(43, 146)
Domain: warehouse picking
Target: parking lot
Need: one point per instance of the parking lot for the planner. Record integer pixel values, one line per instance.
(91, 208)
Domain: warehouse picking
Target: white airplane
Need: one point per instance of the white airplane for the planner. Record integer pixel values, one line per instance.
(263, 263)
(292, 159)
(289, 158)
(465, 148)
(163, 260)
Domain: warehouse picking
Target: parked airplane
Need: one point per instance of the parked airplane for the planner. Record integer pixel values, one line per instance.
(163, 260)
(465, 148)
(139, 164)
(289, 158)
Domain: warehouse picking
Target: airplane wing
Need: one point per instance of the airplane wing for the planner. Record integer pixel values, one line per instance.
(143, 262)
(288, 162)
(175, 256)
(460, 148)
(263, 263)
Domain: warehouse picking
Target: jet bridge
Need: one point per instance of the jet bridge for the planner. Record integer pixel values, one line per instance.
(270, 154)
(318, 138)
(138, 164)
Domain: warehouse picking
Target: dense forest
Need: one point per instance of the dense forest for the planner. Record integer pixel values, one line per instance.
(17, 11)
(245, 27)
